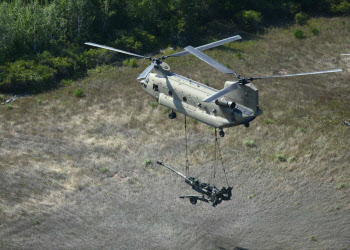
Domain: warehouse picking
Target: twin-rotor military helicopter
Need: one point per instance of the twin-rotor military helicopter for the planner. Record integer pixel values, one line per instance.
(237, 103)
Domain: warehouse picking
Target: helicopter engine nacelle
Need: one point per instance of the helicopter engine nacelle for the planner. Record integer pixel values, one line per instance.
(245, 94)
(225, 103)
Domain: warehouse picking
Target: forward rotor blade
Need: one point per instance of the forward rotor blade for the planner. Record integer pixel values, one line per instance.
(222, 92)
(209, 60)
(146, 71)
(300, 74)
(209, 45)
(117, 50)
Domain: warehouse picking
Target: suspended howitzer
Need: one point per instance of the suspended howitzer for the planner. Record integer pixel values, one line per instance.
(210, 193)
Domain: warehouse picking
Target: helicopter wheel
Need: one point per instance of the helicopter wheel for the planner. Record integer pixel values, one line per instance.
(246, 125)
(193, 200)
(222, 133)
(172, 115)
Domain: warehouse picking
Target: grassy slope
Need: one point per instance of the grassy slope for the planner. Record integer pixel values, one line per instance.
(54, 144)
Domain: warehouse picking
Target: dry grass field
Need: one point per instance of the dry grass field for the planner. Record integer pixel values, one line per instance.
(80, 173)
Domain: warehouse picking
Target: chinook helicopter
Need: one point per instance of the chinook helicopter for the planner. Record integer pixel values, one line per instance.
(237, 103)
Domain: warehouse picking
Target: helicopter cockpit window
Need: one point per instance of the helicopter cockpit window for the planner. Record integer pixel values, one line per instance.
(143, 83)
(155, 87)
(185, 99)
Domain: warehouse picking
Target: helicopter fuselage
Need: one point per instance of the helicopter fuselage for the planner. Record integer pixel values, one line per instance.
(185, 96)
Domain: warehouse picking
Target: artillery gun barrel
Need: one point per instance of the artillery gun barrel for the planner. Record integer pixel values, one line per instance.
(177, 172)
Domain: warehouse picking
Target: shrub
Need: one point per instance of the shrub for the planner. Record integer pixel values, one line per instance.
(94, 57)
(78, 92)
(64, 66)
(2, 98)
(130, 63)
(251, 19)
(104, 170)
(341, 8)
(165, 110)
(66, 82)
(136, 41)
(302, 130)
(292, 159)
(315, 31)
(299, 34)
(249, 143)
(313, 238)
(281, 157)
(340, 186)
(239, 55)
(301, 18)
(147, 162)
(268, 121)
(128, 43)
(26, 76)
(154, 104)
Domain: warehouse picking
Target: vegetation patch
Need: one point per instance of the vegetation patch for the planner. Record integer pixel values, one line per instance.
(313, 238)
(292, 159)
(104, 170)
(154, 104)
(299, 34)
(301, 18)
(251, 19)
(249, 143)
(147, 162)
(340, 186)
(281, 157)
(130, 63)
(165, 110)
(268, 121)
(315, 31)
(79, 92)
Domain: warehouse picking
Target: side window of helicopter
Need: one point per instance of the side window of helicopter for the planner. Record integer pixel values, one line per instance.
(144, 83)
(185, 99)
(155, 87)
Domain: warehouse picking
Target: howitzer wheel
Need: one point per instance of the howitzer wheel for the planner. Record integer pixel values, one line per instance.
(193, 200)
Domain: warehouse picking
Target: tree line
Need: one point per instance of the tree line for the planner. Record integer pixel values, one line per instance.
(41, 41)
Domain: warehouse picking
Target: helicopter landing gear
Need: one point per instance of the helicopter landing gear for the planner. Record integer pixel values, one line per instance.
(193, 200)
(172, 115)
(246, 124)
(222, 133)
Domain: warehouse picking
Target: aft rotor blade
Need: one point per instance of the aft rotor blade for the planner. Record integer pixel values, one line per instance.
(146, 71)
(209, 60)
(209, 45)
(222, 92)
(117, 50)
(300, 74)
(345, 54)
